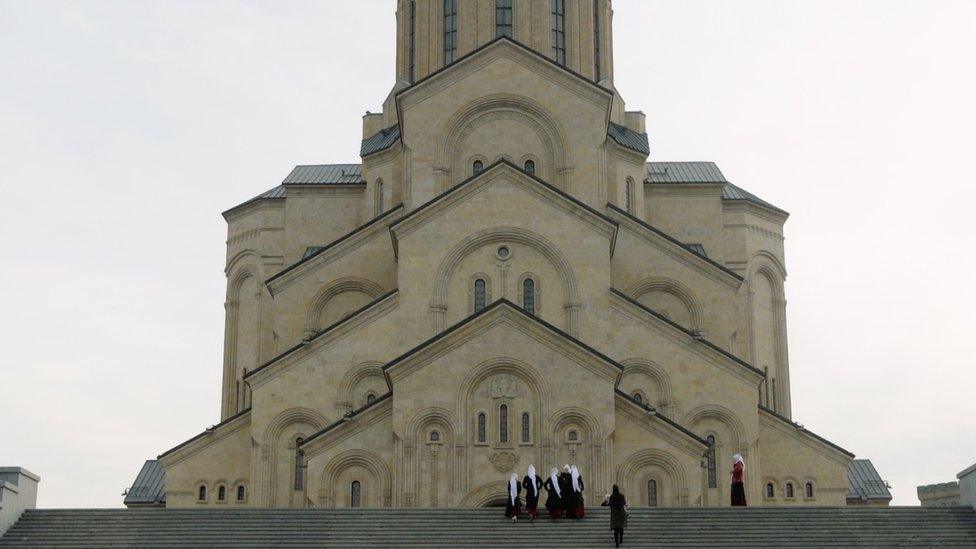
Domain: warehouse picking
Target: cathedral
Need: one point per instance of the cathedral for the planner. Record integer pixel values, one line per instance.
(504, 279)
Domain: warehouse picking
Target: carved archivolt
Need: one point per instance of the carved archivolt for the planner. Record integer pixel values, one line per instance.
(634, 470)
(503, 107)
(378, 469)
(502, 365)
(334, 288)
(656, 373)
(352, 378)
(722, 415)
(486, 494)
(678, 290)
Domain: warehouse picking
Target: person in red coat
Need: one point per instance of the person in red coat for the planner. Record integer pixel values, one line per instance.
(738, 490)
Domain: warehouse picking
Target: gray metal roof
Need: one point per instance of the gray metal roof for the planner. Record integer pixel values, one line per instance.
(149, 488)
(864, 482)
(684, 172)
(326, 174)
(380, 141)
(663, 173)
(626, 137)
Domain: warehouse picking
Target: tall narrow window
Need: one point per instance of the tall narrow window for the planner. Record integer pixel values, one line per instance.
(299, 465)
(356, 494)
(530, 167)
(503, 423)
(770, 491)
(639, 398)
(557, 11)
(525, 428)
(379, 197)
(412, 42)
(809, 490)
(240, 493)
(480, 295)
(528, 295)
(222, 493)
(477, 167)
(629, 198)
(596, 40)
(789, 490)
(652, 493)
(775, 407)
(202, 493)
(370, 398)
(712, 474)
(503, 18)
(482, 427)
(450, 31)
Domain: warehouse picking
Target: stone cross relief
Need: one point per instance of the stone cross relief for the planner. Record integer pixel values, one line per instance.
(503, 386)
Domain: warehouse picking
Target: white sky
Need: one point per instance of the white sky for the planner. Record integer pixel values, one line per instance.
(127, 127)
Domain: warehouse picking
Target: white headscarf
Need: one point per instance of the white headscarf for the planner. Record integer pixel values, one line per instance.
(566, 468)
(554, 477)
(737, 458)
(576, 485)
(513, 488)
(535, 489)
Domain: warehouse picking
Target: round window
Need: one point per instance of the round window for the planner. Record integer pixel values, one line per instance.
(504, 252)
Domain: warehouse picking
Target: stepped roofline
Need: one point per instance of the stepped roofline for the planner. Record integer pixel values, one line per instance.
(337, 175)
(703, 173)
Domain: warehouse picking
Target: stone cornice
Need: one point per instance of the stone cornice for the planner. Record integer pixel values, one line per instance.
(676, 250)
(213, 434)
(650, 420)
(685, 189)
(809, 439)
(338, 248)
(252, 206)
(531, 184)
(688, 340)
(349, 425)
(762, 212)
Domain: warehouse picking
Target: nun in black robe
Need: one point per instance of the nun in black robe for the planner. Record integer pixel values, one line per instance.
(554, 500)
(532, 484)
(566, 487)
(577, 487)
(513, 505)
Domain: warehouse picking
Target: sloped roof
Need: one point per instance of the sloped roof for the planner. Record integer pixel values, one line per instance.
(626, 137)
(684, 173)
(316, 174)
(380, 141)
(864, 482)
(149, 488)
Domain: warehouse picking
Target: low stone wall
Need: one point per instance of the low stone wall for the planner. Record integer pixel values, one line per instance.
(967, 487)
(18, 492)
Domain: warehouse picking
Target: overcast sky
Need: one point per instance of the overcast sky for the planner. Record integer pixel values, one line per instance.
(127, 127)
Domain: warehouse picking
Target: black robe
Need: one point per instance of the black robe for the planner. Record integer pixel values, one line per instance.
(512, 508)
(553, 500)
(569, 499)
(532, 496)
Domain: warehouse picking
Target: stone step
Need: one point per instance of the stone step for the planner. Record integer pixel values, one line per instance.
(462, 528)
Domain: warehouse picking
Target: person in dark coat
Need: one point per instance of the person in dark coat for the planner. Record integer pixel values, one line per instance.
(554, 500)
(569, 497)
(577, 486)
(532, 484)
(618, 515)
(513, 505)
(738, 491)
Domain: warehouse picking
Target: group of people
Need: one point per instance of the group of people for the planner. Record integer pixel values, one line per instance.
(564, 494)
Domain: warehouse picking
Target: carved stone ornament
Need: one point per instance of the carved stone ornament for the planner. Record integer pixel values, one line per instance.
(503, 386)
(504, 461)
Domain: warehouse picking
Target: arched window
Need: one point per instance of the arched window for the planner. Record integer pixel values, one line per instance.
(525, 428)
(528, 295)
(480, 295)
(450, 31)
(557, 12)
(573, 436)
(477, 167)
(789, 490)
(529, 167)
(379, 197)
(221, 493)
(652, 493)
(596, 40)
(412, 42)
(240, 493)
(712, 474)
(503, 18)
(809, 489)
(355, 496)
(629, 198)
(639, 398)
(435, 436)
(370, 398)
(202, 493)
(299, 465)
(770, 490)
(482, 421)
(503, 423)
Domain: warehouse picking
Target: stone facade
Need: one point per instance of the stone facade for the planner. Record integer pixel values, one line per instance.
(18, 493)
(503, 280)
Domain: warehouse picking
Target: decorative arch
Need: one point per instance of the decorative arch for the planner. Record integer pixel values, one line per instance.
(502, 365)
(655, 372)
(678, 290)
(354, 458)
(485, 495)
(272, 435)
(331, 290)
(504, 107)
(722, 415)
(240, 257)
(579, 416)
(349, 381)
(527, 238)
(632, 471)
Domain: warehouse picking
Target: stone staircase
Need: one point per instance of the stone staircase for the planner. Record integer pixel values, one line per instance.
(458, 528)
